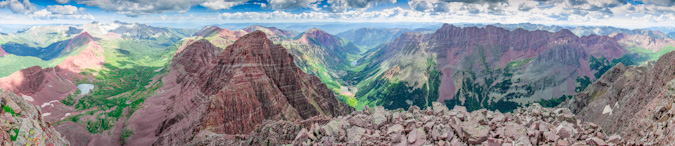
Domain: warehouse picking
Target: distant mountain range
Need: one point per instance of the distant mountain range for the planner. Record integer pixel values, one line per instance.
(489, 67)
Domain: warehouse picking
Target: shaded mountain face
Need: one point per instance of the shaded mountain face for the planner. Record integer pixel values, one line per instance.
(634, 101)
(487, 67)
(230, 92)
(50, 52)
(371, 37)
(22, 123)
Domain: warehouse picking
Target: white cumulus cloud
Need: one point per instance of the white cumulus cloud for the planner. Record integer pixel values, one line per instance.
(18, 7)
(145, 7)
(61, 12)
(343, 5)
(64, 9)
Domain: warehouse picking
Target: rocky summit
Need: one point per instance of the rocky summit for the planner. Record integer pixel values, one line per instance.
(533, 125)
(211, 91)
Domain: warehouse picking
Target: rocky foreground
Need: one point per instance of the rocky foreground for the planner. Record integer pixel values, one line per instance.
(21, 123)
(533, 125)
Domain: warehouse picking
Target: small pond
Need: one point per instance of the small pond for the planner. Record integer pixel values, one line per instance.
(85, 88)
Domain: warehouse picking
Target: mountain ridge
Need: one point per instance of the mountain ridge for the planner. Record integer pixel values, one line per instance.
(490, 58)
(225, 87)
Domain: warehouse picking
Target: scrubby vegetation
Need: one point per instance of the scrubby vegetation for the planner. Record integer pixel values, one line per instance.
(554, 102)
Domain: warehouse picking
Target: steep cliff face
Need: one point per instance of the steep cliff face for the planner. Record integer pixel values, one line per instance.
(22, 123)
(488, 67)
(635, 101)
(230, 92)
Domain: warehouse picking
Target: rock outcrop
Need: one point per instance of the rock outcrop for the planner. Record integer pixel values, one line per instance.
(533, 125)
(230, 92)
(22, 123)
(634, 101)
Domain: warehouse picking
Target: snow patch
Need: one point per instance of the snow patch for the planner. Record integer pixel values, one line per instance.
(607, 110)
(27, 98)
(46, 114)
(48, 103)
(64, 117)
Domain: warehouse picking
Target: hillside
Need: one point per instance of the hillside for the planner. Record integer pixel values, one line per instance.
(634, 101)
(478, 68)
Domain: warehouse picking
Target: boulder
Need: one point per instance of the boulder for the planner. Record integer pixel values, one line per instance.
(354, 134)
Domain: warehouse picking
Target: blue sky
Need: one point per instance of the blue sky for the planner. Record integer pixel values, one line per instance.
(619, 13)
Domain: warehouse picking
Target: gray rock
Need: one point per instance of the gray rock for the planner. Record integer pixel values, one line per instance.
(397, 128)
(475, 133)
(378, 119)
(565, 130)
(417, 137)
(594, 141)
(360, 120)
(301, 137)
(523, 141)
(614, 139)
(355, 134)
(494, 142)
(514, 131)
(439, 108)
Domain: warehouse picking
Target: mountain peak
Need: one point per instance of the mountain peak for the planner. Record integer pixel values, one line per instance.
(565, 32)
(271, 30)
(315, 32)
(321, 37)
(84, 35)
(207, 31)
(255, 37)
(195, 56)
